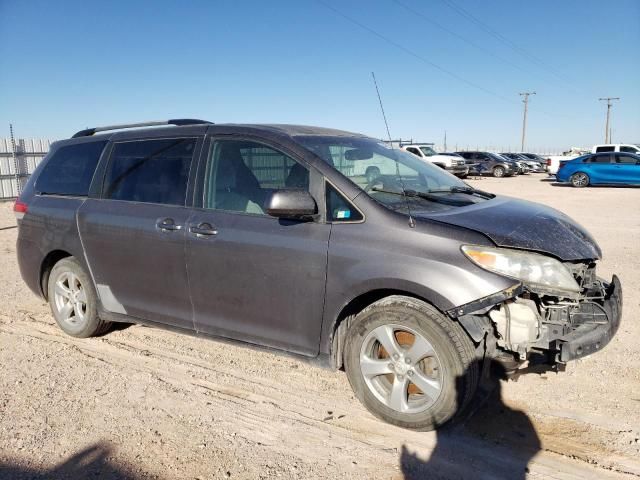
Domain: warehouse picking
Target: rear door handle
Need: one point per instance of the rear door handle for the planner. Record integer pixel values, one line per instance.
(167, 225)
(204, 230)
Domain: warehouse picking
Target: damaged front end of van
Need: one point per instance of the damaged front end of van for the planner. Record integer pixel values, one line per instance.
(560, 310)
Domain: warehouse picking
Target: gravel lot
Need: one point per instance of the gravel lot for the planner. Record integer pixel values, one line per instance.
(147, 403)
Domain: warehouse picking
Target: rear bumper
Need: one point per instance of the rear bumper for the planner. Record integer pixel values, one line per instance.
(590, 337)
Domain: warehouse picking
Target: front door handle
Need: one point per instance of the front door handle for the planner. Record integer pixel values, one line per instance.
(167, 225)
(204, 230)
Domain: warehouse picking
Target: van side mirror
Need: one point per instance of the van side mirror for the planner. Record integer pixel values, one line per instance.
(291, 204)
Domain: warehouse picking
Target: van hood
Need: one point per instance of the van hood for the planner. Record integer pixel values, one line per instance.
(511, 222)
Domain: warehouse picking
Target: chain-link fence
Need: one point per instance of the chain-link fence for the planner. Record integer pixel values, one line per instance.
(18, 160)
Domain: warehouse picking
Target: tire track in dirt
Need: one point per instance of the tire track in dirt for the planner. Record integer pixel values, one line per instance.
(262, 411)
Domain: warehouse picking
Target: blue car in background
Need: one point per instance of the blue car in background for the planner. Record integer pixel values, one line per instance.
(601, 169)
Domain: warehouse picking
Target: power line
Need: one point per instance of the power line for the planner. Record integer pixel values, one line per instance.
(501, 38)
(460, 37)
(607, 131)
(414, 54)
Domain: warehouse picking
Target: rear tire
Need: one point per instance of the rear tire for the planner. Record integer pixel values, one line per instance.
(579, 180)
(498, 172)
(419, 393)
(73, 300)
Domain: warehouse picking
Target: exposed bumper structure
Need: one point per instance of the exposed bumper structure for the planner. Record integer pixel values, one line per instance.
(591, 336)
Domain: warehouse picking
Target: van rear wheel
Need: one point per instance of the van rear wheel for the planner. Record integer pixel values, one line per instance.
(409, 364)
(73, 300)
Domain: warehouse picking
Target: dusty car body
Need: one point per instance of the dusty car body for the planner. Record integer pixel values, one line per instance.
(278, 236)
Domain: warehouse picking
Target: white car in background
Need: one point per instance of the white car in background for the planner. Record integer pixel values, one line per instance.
(454, 164)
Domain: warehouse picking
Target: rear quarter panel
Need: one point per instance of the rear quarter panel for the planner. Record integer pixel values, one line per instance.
(50, 224)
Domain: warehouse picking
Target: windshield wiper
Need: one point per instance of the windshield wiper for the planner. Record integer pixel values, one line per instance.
(424, 195)
(467, 190)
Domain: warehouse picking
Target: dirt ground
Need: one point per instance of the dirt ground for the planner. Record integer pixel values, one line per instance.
(147, 403)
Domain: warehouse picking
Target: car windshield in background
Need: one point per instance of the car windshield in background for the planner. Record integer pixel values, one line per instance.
(428, 151)
(391, 176)
(499, 158)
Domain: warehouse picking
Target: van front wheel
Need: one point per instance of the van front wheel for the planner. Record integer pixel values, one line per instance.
(409, 364)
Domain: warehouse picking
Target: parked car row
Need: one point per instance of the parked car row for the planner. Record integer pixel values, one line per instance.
(503, 164)
(466, 163)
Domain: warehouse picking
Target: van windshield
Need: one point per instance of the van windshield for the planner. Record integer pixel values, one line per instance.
(390, 175)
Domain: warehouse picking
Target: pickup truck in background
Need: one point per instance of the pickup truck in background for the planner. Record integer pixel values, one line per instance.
(451, 163)
(616, 147)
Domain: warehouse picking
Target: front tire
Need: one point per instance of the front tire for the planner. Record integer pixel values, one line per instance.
(73, 300)
(498, 172)
(410, 365)
(579, 180)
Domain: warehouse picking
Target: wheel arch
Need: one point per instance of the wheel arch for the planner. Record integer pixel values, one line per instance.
(47, 264)
(353, 307)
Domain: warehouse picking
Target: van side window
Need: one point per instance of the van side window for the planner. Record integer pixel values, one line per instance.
(414, 151)
(150, 171)
(242, 174)
(70, 169)
(339, 209)
(629, 150)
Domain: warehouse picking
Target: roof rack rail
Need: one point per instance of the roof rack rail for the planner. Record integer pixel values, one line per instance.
(176, 121)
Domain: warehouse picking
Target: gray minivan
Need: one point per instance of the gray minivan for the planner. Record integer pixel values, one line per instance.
(279, 236)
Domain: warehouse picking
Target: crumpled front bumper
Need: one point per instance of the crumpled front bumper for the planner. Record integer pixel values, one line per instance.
(589, 338)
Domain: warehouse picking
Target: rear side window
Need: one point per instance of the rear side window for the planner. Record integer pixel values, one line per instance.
(150, 171)
(605, 149)
(70, 169)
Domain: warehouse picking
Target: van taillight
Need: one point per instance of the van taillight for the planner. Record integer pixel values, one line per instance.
(20, 208)
(548, 162)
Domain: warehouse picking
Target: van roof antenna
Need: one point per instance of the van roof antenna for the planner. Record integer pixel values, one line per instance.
(412, 222)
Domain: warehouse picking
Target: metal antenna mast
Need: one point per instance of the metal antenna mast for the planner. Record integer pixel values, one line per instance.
(607, 132)
(412, 222)
(525, 100)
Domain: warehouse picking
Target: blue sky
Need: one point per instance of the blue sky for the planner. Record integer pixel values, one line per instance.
(453, 65)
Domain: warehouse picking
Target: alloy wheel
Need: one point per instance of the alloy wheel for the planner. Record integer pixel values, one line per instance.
(401, 368)
(580, 179)
(70, 299)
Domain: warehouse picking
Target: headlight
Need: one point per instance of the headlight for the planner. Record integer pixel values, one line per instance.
(528, 267)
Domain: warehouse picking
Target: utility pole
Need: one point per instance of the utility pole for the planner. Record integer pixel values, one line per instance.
(445, 140)
(607, 136)
(524, 119)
